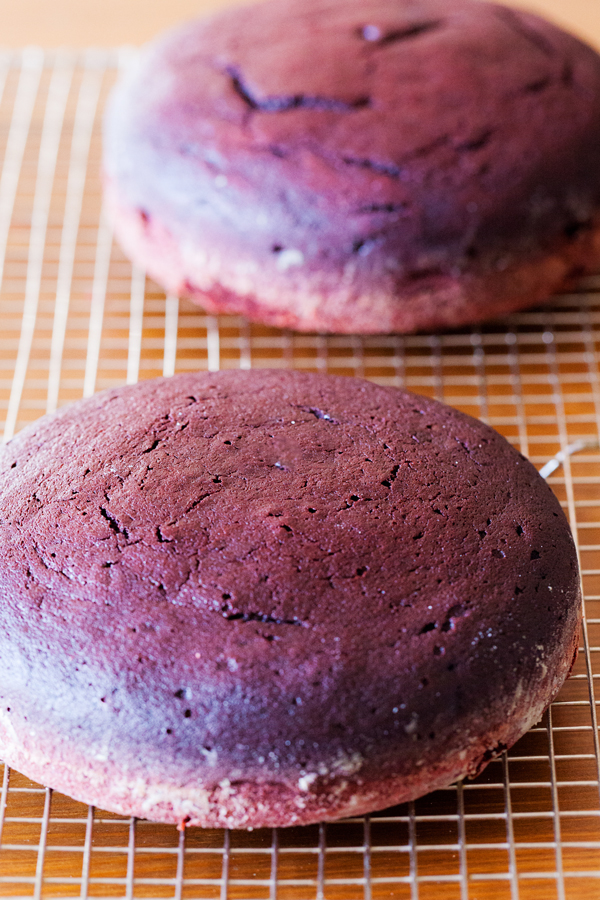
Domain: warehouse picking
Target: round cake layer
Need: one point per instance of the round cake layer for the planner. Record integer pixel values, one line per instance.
(331, 165)
(270, 598)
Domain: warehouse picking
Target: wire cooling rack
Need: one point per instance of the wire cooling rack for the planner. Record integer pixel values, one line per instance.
(76, 318)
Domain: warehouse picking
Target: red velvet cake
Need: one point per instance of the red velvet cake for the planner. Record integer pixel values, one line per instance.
(270, 598)
(346, 166)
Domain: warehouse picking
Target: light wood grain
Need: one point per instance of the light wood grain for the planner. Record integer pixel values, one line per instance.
(80, 23)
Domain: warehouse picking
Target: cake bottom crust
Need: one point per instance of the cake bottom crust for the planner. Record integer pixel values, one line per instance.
(242, 804)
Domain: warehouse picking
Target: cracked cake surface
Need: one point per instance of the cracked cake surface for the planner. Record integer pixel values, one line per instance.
(270, 598)
(350, 166)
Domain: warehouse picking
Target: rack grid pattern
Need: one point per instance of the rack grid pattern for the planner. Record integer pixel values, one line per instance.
(77, 318)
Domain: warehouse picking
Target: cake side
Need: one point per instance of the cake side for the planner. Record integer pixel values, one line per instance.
(320, 301)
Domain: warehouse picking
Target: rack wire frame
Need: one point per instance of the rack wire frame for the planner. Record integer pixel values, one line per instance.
(76, 318)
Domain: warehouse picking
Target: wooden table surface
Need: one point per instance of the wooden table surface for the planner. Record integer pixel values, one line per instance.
(529, 826)
(79, 23)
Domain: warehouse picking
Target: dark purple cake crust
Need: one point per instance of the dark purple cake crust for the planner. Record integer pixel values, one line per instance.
(267, 598)
(336, 165)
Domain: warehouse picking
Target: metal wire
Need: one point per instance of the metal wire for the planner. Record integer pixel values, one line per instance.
(76, 319)
(53, 120)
